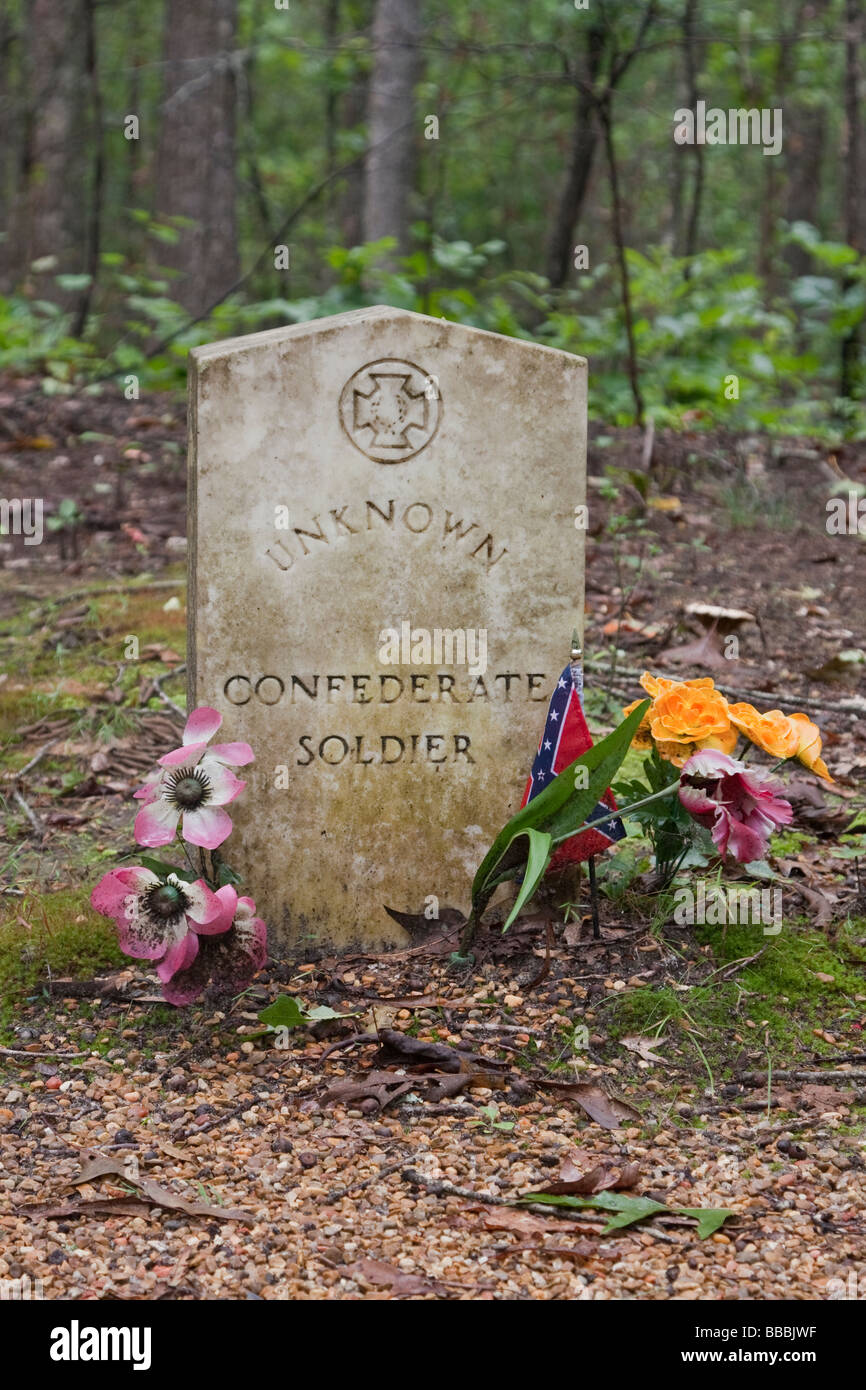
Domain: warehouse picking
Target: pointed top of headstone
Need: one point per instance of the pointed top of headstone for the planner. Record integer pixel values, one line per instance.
(373, 314)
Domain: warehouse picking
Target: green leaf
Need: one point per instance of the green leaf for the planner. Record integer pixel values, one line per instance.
(289, 1012)
(709, 1219)
(225, 875)
(631, 1209)
(285, 1012)
(542, 809)
(628, 1209)
(159, 866)
(537, 860)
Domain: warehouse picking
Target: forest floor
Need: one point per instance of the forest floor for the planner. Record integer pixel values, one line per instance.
(149, 1153)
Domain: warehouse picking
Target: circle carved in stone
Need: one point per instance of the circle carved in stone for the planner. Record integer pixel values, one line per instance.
(390, 409)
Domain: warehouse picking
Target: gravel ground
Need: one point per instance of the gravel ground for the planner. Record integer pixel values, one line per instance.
(342, 1204)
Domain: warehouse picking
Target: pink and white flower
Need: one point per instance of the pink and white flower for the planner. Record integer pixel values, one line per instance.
(160, 919)
(231, 958)
(196, 782)
(739, 804)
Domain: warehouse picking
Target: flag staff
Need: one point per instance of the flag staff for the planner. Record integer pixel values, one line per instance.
(576, 664)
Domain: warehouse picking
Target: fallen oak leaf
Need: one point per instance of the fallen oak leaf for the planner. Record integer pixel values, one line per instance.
(447, 1058)
(601, 1178)
(172, 1201)
(446, 1085)
(523, 1223)
(606, 1110)
(96, 1165)
(644, 1047)
(402, 1284)
(382, 1086)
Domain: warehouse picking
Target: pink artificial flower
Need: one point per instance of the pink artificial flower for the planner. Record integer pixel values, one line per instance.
(196, 783)
(739, 804)
(156, 919)
(231, 958)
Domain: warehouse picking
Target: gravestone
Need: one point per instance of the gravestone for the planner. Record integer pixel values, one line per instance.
(386, 569)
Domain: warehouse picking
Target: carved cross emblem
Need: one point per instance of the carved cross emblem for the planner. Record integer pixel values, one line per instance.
(390, 410)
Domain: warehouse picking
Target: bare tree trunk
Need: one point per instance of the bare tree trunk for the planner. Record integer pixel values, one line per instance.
(50, 219)
(690, 20)
(11, 147)
(605, 112)
(560, 246)
(601, 45)
(97, 146)
(195, 176)
(389, 171)
(853, 175)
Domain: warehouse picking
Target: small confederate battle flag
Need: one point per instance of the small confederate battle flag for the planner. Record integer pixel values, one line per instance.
(565, 737)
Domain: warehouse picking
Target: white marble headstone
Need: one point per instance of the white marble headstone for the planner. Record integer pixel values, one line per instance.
(385, 573)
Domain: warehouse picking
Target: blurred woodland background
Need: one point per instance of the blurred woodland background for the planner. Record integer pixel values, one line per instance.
(176, 172)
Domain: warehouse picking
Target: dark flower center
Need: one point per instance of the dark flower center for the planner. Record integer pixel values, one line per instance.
(166, 901)
(189, 789)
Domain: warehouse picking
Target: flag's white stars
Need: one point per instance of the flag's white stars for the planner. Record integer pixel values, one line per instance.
(554, 716)
(547, 743)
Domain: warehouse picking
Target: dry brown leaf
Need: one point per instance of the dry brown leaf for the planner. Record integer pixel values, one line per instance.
(402, 1285)
(643, 1047)
(522, 1223)
(604, 1109)
(604, 1177)
(96, 1165)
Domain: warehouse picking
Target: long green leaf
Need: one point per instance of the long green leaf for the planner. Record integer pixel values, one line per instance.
(537, 860)
(630, 1209)
(541, 812)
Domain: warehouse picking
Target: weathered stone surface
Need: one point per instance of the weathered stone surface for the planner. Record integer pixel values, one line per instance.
(380, 470)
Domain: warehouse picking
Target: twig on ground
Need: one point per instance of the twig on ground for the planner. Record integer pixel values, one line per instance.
(73, 594)
(38, 827)
(218, 1120)
(759, 1078)
(354, 1041)
(34, 761)
(21, 1052)
(337, 1192)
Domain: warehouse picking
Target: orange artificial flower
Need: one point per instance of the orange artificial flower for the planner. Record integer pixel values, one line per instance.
(773, 732)
(690, 714)
(809, 745)
(659, 685)
(685, 717)
(725, 742)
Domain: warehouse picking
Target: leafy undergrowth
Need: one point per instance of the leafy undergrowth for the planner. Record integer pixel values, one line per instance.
(804, 993)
